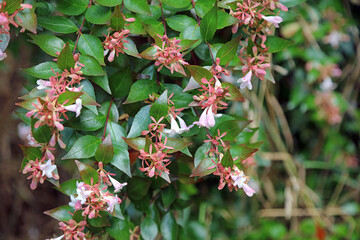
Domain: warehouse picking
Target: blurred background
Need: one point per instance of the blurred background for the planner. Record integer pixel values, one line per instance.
(306, 173)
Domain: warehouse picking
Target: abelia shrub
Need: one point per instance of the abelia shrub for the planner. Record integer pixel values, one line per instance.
(136, 96)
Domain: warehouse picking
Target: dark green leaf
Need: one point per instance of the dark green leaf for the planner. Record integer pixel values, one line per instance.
(88, 121)
(121, 159)
(168, 227)
(148, 229)
(180, 22)
(42, 134)
(141, 90)
(66, 58)
(199, 73)
(235, 94)
(97, 14)
(70, 7)
(12, 6)
(109, 3)
(27, 19)
(138, 6)
(180, 98)
(227, 160)
(105, 152)
(228, 51)
(57, 24)
(160, 107)
(88, 174)
(61, 213)
(91, 45)
(43, 70)
(232, 128)
(49, 44)
(119, 229)
(120, 83)
(208, 24)
(168, 196)
(225, 19)
(69, 187)
(202, 168)
(138, 187)
(117, 20)
(276, 44)
(92, 66)
(103, 82)
(100, 221)
(203, 6)
(84, 147)
(141, 122)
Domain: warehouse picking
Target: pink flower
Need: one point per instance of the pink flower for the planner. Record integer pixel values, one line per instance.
(246, 81)
(42, 84)
(207, 118)
(273, 19)
(111, 202)
(75, 107)
(117, 185)
(47, 169)
(4, 19)
(2, 55)
(240, 181)
(75, 89)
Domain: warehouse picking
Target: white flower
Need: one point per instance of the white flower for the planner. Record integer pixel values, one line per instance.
(111, 201)
(75, 89)
(273, 19)
(207, 118)
(47, 169)
(2, 55)
(246, 81)
(42, 84)
(240, 181)
(82, 192)
(75, 107)
(175, 129)
(117, 185)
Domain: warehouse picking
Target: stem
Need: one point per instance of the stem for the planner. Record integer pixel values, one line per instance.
(80, 29)
(107, 119)
(162, 16)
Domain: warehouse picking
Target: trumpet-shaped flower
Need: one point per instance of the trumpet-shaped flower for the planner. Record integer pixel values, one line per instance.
(75, 107)
(240, 181)
(207, 118)
(175, 129)
(117, 185)
(42, 84)
(273, 19)
(246, 81)
(47, 169)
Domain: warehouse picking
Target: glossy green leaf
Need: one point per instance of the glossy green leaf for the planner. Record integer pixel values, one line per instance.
(105, 151)
(178, 3)
(92, 66)
(192, 32)
(43, 70)
(203, 6)
(242, 152)
(148, 229)
(88, 121)
(208, 24)
(149, 53)
(49, 44)
(117, 20)
(232, 128)
(168, 196)
(235, 94)
(180, 22)
(70, 7)
(138, 187)
(119, 229)
(61, 213)
(276, 44)
(130, 48)
(66, 58)
(121, 82)
(121, 159)
(138, 6)
(91, 45)
(227, 160)
(97, 14)
(102, 81)
(160, 107)
(154, 27)
(42, 134)
(109, 3)
(228, 51)
(113, 112)
(27, 19)
(135, 27)
(69, 187)
(84, 147)
(141, 90)
(100, 221)
(168, 227)
(141, 122)
(88, 174)
(117, 132)
(205, 167)
(57, 24)
(200, 153)
(69, 97)
(291, 3)
(199, 73)
(179, 98)
(12, 6)
(225, 20)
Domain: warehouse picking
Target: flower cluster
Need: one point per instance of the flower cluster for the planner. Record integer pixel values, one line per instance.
(40, 171)
(73, 230)
(328, 109)
(169, 55)
(115, 43)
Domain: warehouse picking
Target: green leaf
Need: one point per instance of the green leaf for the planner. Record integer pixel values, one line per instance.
(97, 14)
(192, 32)
(27, 19)
(135, 27)
(30, 153)
(57, 24)
(242, 152)
(228, 51)
(178, 3)
(43, 70)
(201, 153)
(84, 147)
(276, 44)
(180, 22)
(117, 133)
(179, 98)
(105, 152)
(225, 20)
(117, 20)
(202, 168)
(120, 83)
(227, 160)
(102, 81)
(61, 213)
(232, 128)
(92, 66)
(121, 159)
(141, 122)
(149, 53)
(291, 3)
(138, 187)
(154, 27)
(42, 134)
(12, 6)
(148, 229)
(70, 96)
(168, 196)
(138, 6)
(160, 107)
(141, 90)
(88, 121)
(199, 73)
(88, 174)
(66, 58)
(208, 24)
(91, 45)
(130, 48)
(235, 94)
(119, 229)
(69, 187)
(109, 3)
(203, 6)
(168, 227)
(100, 221)
(49, 44)
(70, 7)
(113, 111)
